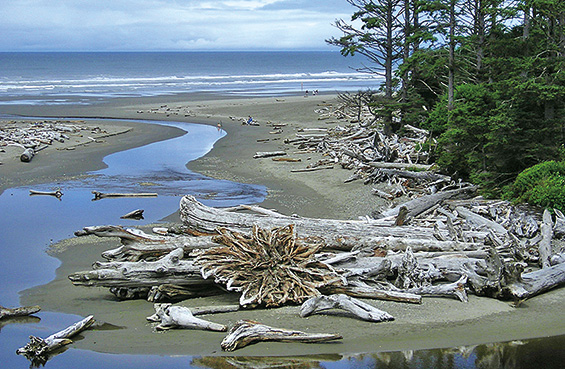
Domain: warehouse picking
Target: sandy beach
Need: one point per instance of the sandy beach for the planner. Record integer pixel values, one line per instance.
(437, 323)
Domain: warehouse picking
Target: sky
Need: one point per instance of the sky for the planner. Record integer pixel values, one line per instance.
(169, 25)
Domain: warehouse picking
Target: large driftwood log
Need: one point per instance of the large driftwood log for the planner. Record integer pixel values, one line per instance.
(331, 232)
(268, 154)
(367, 292)
(125, 234)
(170, 269)
(358, 308)
(246, 332)
(169, 316)
(38, 349)
(19, 311)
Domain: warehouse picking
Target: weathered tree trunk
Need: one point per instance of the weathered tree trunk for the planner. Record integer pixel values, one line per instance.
(478, 220)
(374, 293)
(332, 232)
(358, 308)
(536, 282)
(268, 154)
(246, 332)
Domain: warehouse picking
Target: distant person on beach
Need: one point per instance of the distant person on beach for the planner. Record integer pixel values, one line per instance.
(219, 126)
(249, 120)
(306, 93)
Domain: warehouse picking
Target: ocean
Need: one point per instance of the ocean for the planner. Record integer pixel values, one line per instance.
(89, 77)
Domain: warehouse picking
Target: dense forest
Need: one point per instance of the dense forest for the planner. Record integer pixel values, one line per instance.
(486, 77)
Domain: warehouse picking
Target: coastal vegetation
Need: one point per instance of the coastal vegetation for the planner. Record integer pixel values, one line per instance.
(485, 77)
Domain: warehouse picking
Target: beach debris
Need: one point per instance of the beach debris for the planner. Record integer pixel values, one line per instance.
(268, 154)
(27, 155)
(269, 267)
(101, 195)
(57, 193)
(360, 309)
(39, 350)
(19, 311)
(246, 332)
(135, 214)
(169, 316)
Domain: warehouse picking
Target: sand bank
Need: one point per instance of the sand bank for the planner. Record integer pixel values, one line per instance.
(437, 322)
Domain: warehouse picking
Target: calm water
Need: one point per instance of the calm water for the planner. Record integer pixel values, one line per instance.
(88, 78)
(62, 78)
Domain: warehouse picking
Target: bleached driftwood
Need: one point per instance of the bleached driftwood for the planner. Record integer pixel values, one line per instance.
(19, 311)
(268, 154)
(423, 203)
(102, 195)
(38, 349)
(332, 232)
(135, 214)
(125, 234)
(57, 193)
(375, 293)
(246, 332)
(478, 220)
(545, 243)
(170, 269)
(169, 316)
(536, 282)
(358, 308)
(27, 155)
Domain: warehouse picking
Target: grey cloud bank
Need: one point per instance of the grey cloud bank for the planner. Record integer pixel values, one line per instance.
(168, 25)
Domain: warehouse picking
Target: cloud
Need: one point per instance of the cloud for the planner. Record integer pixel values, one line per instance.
(168, 24)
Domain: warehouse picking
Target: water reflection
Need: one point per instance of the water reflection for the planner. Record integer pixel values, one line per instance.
(537, 353)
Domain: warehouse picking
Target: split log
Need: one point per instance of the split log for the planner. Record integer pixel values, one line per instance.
(246, 332)
(545, 243)
(38, 349)
(101, 195)
(358, 308)
(169, 316)
(268, 154)
(19, 311)
(27, 155)
(135, 214)
(168, 270)
(421, 204)
(58, 194)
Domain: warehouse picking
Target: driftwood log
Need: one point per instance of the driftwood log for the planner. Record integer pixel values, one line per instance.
(38, 349)
(135, 214)
(58, 193)
(246, 332)
(102, 195)
(169, 316)
(358, 308)
(19, 311)
(27, 155)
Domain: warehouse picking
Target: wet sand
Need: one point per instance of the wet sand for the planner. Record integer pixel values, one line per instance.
(438, 322)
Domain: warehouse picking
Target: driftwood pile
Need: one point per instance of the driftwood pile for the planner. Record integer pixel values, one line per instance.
(444, 245)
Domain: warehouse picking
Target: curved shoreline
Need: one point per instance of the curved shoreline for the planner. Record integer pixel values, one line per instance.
(436, 323)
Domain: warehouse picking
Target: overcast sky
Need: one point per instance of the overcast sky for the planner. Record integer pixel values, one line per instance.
(163, 25)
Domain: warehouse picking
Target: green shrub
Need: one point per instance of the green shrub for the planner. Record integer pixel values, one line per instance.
(542, 185)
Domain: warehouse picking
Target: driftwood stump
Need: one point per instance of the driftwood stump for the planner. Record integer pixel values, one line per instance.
(246, 332)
